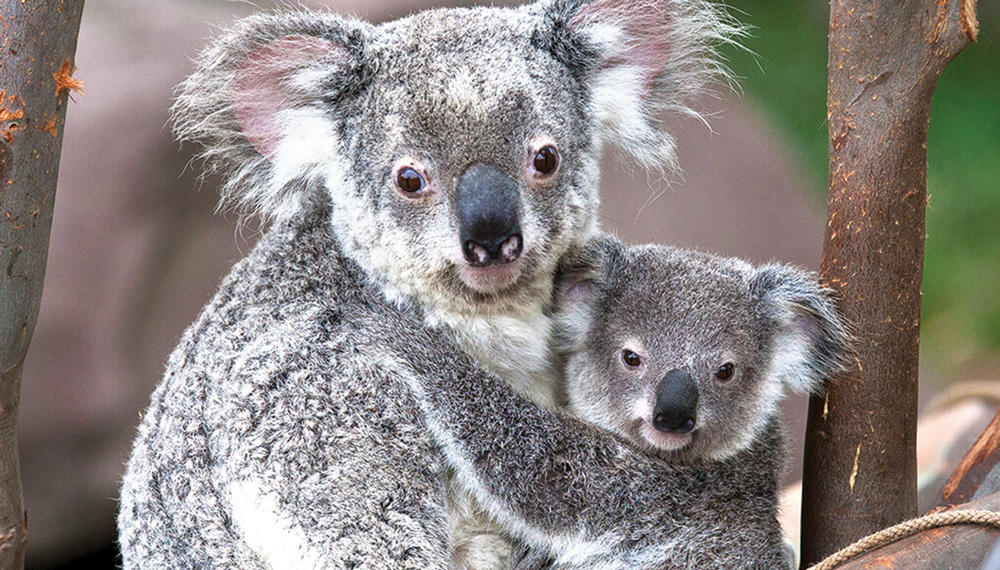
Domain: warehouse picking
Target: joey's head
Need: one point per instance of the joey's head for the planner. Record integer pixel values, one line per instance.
(459, 148)
(688, 353)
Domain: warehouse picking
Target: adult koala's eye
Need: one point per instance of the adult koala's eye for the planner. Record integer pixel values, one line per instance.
(725, 372)
(631, 359)
(409, 181)
(546, 160)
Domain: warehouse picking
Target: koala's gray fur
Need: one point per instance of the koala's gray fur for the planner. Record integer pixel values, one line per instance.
(285, 433)
(265, 445)
(587, 499)
(688, 311)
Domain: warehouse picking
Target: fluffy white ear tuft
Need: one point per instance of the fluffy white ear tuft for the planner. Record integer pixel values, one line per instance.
(270, 80)
(810, 340)
(260, 103)
(652, 58)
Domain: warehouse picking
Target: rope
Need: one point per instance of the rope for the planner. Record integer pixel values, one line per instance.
(908, 528)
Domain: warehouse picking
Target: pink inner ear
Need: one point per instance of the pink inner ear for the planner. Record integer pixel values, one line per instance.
(260, 89)
(647, 25)
(807, 324)
(574, 292)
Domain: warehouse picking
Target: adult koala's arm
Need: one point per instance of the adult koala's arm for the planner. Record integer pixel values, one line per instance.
(181, 496)
(582, 494)
(272, 441)
(173, 510)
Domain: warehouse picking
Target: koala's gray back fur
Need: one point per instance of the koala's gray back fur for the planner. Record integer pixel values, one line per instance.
(269, 386)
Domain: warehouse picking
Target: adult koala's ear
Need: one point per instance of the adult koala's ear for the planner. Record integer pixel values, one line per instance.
(640, 59)
(583, 273)
(260, 103)
(810, 341)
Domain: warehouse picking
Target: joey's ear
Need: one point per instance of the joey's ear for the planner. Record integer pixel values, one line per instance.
(583, 273)
(639, 59)
(810, 340)
(261, 99)
(577, 278)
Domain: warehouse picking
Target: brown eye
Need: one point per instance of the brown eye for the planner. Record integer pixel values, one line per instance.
(546, 160)
(631, 359)
(409, 180)
(725, 372)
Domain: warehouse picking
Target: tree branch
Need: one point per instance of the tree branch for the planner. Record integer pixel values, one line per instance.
(884, 61)
(38, 41)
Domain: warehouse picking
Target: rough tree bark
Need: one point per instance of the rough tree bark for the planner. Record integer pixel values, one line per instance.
(884, 61)
(37, 45)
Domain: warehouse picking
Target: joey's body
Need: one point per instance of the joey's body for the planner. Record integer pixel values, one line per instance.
(686, 355)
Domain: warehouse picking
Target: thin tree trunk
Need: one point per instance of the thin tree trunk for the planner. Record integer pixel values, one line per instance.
(37, 45)
(884, 61)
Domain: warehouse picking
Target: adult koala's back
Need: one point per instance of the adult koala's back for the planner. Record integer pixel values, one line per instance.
(430, 170)
(264, 444)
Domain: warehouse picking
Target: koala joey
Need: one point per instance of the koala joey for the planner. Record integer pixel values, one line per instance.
(422, 177)
(685, 355)
(688, 354)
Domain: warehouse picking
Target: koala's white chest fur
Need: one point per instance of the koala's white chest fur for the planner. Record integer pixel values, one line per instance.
(515, 348)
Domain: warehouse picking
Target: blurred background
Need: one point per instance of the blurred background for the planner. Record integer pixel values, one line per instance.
(136, 250)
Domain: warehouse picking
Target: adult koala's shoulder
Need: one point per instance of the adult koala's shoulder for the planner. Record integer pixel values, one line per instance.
(263, 446)
(423, 178)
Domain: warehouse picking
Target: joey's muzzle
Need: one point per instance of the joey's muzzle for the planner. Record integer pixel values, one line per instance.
(487, 203)
(676, 406)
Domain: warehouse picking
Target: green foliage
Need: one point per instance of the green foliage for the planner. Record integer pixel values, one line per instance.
(962, 263)
(786, 80)
(783, 72)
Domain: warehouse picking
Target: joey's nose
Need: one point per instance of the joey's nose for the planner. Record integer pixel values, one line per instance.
(487, 204)
(676, 404)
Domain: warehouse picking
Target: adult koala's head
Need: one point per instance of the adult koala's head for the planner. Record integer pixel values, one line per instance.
(459, 147)
(687, 353)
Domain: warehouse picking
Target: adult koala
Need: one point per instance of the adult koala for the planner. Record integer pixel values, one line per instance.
(423, 178)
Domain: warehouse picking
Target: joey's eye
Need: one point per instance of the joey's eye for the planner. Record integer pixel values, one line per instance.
(546, 160)
(631, 359)
(725, 372)
(409, 181)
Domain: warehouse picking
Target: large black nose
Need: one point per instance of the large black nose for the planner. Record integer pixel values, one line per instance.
(489, 220)
(676, 403)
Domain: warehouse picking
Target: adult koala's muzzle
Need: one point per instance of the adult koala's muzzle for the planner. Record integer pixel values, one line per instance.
(487, 203)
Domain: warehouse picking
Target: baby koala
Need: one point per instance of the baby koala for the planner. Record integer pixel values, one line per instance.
(687, 354)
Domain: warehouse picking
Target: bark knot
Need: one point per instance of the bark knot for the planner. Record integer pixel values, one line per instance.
(65, 82)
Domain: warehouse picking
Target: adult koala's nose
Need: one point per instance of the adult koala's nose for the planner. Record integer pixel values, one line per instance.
(488, 204)
(676, 406)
